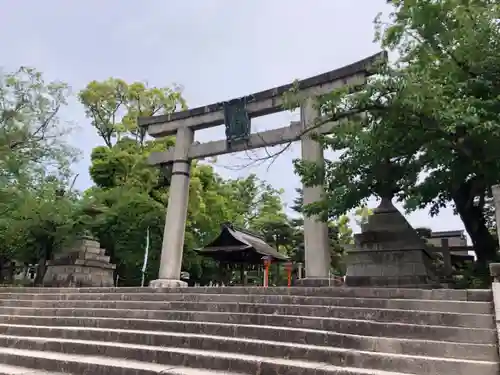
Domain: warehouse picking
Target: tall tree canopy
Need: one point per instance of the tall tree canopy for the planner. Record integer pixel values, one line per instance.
(39, 213)
(428, 129)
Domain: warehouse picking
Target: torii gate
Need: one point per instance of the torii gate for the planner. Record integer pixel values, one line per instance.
(236, 115)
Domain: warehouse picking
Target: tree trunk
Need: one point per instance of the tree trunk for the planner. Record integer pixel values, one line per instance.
(473, 217)
(11, 272)
(2, 265)
(47, 250)
(40, 270)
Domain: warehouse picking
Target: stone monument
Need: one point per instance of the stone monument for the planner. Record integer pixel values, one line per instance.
(389, 253)
(83, 265)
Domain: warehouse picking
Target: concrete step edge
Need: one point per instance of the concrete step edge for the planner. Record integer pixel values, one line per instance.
(229, 303)
(420, 365)
(490, 323)
(105, 361)
(484, 295)
(16, 370)
(392, 324)
(371, 322)
(5, 295)
(383, 342)
(219, 354)
(257, 362)
(461, 307)
(197, 324)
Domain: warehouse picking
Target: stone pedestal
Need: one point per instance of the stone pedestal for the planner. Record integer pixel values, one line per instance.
(389, 253)
(84, 265)
(166, 283)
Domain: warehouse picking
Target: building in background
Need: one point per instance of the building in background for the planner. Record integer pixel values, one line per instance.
(455, 240)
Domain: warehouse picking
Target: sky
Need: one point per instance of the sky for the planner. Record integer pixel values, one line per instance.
(214, 49)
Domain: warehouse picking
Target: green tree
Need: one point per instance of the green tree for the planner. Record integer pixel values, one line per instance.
(425, 130)
(131, 193)
(132, 199)
(39, 214)
(128, 213)
(32, 134)
(114, 106)
(45, 220)
(254, 204)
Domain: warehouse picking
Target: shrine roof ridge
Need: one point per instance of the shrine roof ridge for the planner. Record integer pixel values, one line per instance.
(361, 66)
(243, 230)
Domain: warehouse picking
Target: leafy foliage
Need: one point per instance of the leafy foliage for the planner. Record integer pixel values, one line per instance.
(39, 212)
(425, 130)
(114, 106)
(31, 133)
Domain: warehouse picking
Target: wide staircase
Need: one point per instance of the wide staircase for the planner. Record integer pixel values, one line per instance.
(288, 331)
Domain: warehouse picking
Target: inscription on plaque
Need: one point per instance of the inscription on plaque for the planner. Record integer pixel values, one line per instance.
(237, 121)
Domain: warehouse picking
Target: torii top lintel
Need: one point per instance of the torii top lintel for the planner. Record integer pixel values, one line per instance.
(261, 103)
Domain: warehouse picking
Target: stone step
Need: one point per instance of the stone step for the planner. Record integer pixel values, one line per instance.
(358, 313)
(319, 360)
(362, 340)
(16, 370)
(461, 307)
(358, 327)
(266, 342)
(79, 364)
(345, 332)
(387, 293)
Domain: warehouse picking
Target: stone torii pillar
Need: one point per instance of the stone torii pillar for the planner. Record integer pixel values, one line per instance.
(316, 242)
(175, 222)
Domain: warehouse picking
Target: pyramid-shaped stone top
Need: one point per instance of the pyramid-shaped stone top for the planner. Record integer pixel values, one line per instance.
(387, 228)
(389, 252)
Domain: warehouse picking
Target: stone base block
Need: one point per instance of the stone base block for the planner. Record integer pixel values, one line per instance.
(78, 276)
(389, 268)
(419, 282)
(168, 283)
(317, 282)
